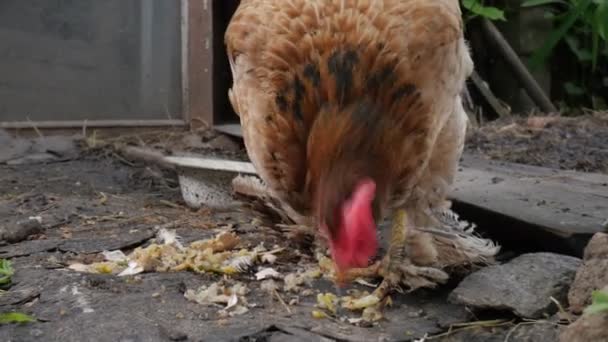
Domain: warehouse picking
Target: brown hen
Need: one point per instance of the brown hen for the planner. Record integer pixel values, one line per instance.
(351, 112)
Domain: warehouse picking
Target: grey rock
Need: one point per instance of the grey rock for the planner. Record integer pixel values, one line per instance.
(541, 331)
(592, 275)
(586, 329)
(11, 148)
(18, 151)
(20, 230)
(282, 337)
(64, 146)
(597, 248)
(28, 247)
(115, 241)
(172, 334)
(537, 332)
(524, 285)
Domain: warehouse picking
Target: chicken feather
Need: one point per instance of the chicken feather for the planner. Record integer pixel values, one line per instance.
(292, 60)
(329, 91)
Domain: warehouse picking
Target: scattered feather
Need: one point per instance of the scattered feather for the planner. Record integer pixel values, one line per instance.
(269, 258)
(232, 301)
(294, 281)
(132, 269)
(355, 321)
(35, 218)
(114, 256)
(267, 273)
(169, 237)
(218, 295)
(78, 267)
(365, 283)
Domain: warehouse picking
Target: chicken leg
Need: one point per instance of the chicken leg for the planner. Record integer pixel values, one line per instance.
(397, 267)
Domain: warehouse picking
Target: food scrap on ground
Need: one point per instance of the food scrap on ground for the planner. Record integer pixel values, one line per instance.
(232, 297)
(218, 255)
(134, 246)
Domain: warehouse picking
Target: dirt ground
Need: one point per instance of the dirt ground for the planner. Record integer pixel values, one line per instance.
(95, 203)
(99, 201)
(568, 143)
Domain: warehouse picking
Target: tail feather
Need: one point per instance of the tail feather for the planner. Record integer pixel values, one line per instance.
(458, 243)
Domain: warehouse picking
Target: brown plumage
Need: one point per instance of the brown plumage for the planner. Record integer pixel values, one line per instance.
(331, 93)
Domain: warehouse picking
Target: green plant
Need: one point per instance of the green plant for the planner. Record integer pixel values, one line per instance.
(583, 26)
(599, 303)
(6, 272)
(15, 317)
(478, 8)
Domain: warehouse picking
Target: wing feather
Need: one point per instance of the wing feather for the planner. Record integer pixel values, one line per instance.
(293, 60)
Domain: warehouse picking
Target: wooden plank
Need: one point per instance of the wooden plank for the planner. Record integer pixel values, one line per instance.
(91, 123)
(200, 63)
(230, 129)
(566, 203)
(212, 164)
(185, 57)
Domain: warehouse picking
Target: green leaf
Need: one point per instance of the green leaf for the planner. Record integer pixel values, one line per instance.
(595, 46)
(599, 303)
(573, 89)
(599, 24)
(479, 9)
(573, 43)
(6, 267)
(15, 317)
(532, 3)
(598, 103)
(6, 272)
(599, 297)
(601, 19)
(541, 55)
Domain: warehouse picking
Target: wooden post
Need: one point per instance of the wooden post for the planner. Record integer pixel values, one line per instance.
(198, 68)
(519, 69)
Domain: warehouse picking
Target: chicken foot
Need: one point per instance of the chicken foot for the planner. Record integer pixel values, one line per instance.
(396, 268)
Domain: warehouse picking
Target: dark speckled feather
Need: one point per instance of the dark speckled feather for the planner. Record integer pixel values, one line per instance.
(331, 91)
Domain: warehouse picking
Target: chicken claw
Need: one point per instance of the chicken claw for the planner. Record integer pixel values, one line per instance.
(396, 267)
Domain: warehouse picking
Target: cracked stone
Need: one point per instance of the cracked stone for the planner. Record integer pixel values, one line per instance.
(524, 285)
(13, 232)
(592, 275)
(586, 329)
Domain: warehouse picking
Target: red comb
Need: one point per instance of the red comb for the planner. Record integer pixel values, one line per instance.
(357, 242)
